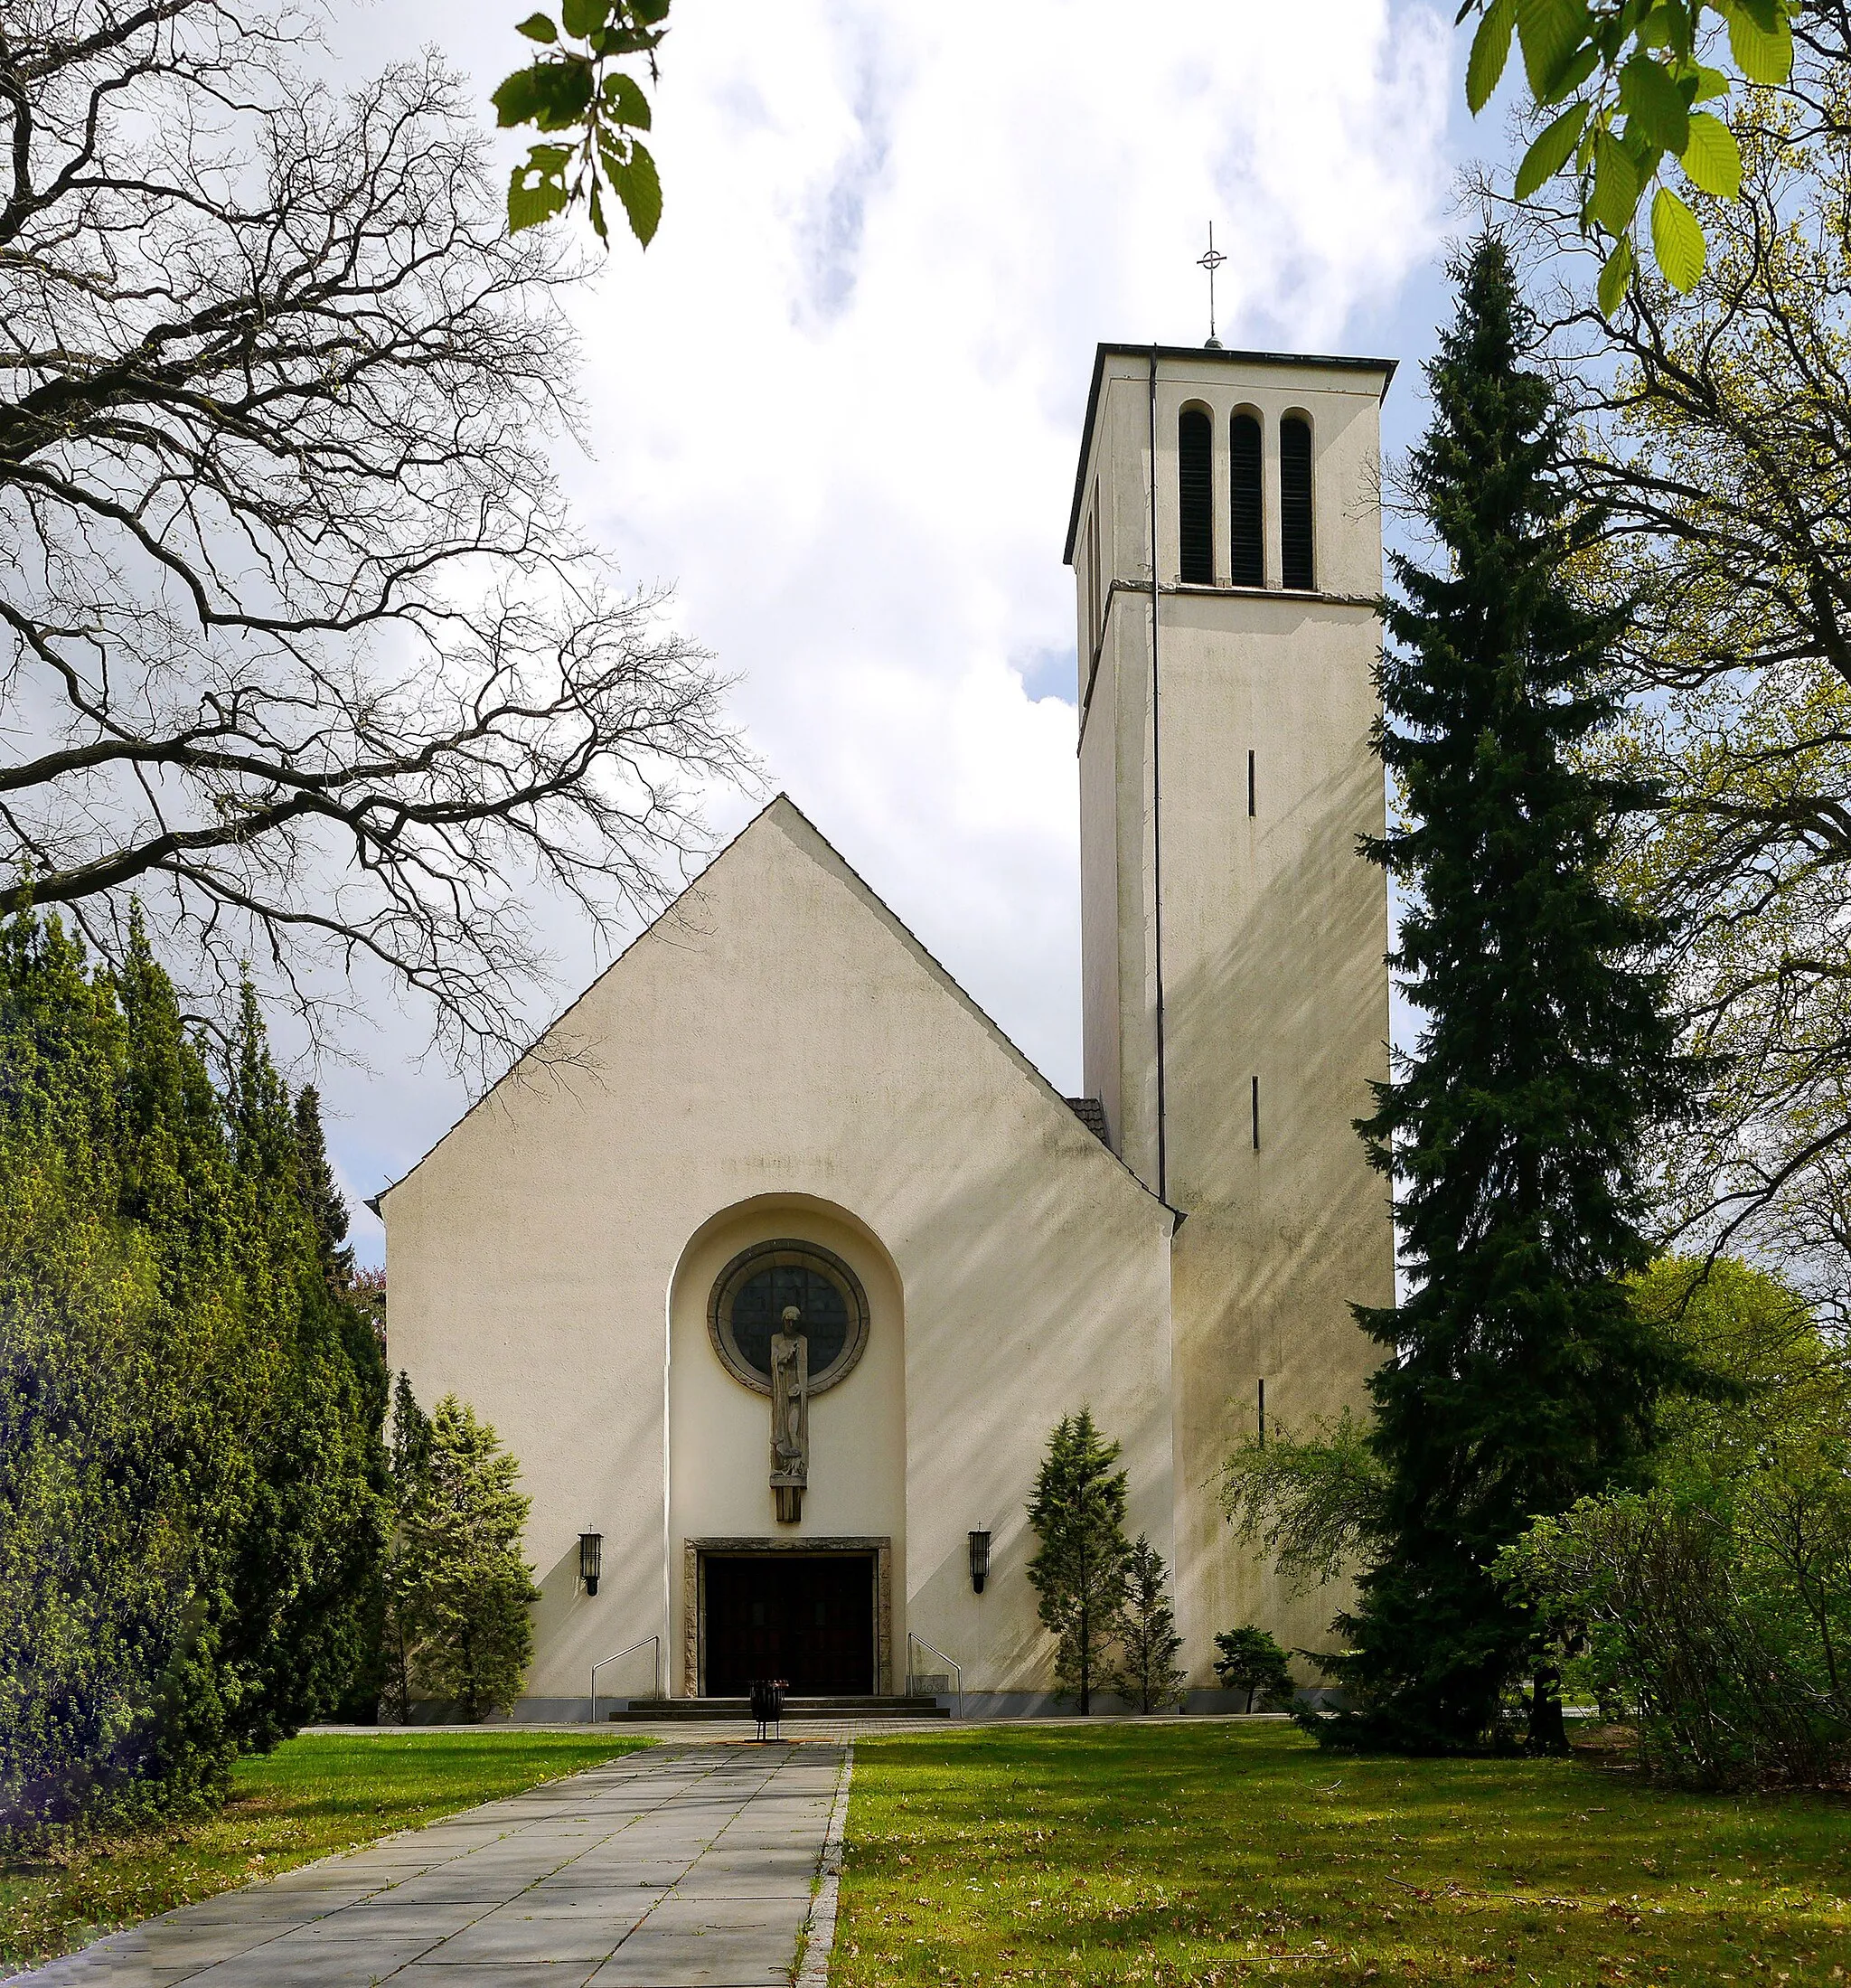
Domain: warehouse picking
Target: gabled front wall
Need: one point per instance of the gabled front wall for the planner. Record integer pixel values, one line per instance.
(779, 1057)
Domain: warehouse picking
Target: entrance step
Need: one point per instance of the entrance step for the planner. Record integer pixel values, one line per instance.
(662, 1710)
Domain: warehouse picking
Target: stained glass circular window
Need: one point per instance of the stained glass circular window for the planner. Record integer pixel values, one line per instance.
(750, 1297)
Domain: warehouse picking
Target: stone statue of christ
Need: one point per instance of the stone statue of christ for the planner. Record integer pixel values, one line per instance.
(790, 1414)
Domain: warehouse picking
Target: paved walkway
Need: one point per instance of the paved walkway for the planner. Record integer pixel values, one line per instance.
(680, 1867)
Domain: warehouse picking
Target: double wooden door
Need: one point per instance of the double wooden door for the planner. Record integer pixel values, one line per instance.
(805, 1618)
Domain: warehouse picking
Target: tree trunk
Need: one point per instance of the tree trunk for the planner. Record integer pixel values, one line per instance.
(1547, 1731)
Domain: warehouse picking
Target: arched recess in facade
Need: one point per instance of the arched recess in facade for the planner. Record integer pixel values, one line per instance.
(719, 1498)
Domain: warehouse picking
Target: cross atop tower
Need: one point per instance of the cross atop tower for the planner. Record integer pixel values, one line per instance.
(1211, 262)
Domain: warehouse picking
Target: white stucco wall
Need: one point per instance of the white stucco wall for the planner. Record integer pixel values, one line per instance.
(781, 1047)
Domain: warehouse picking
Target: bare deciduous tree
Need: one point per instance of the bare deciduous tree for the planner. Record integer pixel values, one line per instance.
(299, 643)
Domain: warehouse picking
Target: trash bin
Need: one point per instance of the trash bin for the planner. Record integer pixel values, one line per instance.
(768, 1702)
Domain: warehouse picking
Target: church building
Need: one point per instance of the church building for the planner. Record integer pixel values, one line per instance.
(776, 1262)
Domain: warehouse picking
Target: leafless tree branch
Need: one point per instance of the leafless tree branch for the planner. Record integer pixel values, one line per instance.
(297, 642)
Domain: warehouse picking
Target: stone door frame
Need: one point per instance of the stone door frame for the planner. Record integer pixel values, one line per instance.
(694, 1595)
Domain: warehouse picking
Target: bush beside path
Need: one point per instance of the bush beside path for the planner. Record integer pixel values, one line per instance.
(1196, 1853)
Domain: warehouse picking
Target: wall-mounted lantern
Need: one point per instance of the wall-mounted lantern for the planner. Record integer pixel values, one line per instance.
(980, 1559)
(590, 1560)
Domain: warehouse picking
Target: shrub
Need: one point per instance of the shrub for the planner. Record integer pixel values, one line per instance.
(1714, 1604)
(1252, 1662)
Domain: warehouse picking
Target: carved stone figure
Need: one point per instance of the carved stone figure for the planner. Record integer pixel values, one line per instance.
(790, 1415)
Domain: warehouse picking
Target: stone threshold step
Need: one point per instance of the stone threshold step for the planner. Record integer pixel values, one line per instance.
(653, 1711)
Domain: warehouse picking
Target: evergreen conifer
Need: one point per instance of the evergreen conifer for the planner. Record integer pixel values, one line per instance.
(1146, 1674)
(1520, 1377)
(309, 1555)
(321, 1194)
(1077, 1513)
(468, 1590)
(1251, 1660)
(410, 1473)
(189, 1456)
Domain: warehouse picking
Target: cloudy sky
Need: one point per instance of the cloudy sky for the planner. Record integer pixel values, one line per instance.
(836, 404)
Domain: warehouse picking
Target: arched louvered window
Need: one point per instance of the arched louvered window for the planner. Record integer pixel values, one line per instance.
(1194, 446)
(1246, 511)
(1299, 568)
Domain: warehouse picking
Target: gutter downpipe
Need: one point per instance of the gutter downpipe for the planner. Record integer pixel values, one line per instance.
(1157, 804)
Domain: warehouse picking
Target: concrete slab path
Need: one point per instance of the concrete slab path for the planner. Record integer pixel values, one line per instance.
(680, 1867)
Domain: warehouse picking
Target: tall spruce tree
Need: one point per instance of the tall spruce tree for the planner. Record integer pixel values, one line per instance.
(1078, 1569)
(1519, 1377)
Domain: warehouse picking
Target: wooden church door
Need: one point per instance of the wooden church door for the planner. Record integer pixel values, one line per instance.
(808, 1618)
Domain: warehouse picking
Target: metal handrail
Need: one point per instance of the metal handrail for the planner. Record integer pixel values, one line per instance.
(600, 1665)
(957, 1668)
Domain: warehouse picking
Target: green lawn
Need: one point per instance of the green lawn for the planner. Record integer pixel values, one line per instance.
(1211, 1853)
(314, 1795)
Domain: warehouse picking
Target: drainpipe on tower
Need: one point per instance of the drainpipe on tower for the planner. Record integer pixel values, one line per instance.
(1157, 802)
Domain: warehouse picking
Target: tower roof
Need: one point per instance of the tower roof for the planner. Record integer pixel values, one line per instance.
(1197, 355)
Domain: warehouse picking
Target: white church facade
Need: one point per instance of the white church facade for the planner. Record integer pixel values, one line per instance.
(776, 1262)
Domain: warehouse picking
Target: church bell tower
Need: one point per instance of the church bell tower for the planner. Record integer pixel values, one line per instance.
(1225, 542)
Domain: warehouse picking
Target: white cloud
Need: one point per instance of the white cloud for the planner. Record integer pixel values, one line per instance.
(838, 400)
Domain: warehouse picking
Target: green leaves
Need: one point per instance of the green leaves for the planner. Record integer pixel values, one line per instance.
(580, 90)
(1711, 161)
(1616, 273)
(536, 191)
(1677, 242)
(553, 96)
(1490, 51)
(1617, 185)
(189, 1518)
(1628, 74)
(1551, 33)
(1761, 39)
(1551, 152)
(623, 100)
(1539, 1035)
(636, 184)
(1654, 105)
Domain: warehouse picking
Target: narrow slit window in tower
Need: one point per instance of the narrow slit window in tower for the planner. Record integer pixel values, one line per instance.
(1299, 568)
(1256, 1114)
(1196, 498)
(1246, 511)
(1250, 810)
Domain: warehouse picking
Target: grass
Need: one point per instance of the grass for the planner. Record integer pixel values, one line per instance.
(314, 1795)
(1213, 1853)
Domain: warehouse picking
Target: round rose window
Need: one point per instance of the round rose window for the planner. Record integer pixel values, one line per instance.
(750, 1297)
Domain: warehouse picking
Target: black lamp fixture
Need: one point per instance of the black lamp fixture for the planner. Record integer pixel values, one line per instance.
(980, 1559)
(590, 1560)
